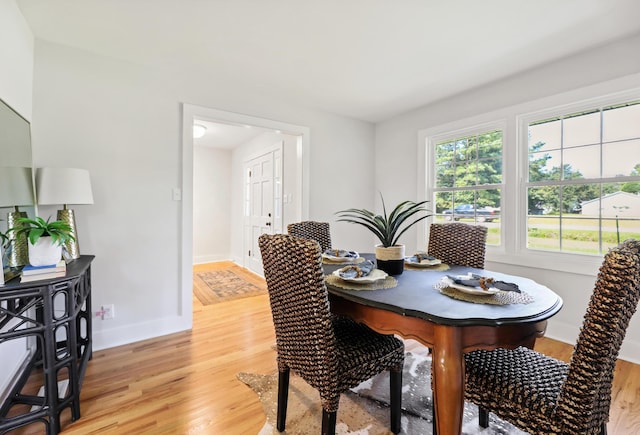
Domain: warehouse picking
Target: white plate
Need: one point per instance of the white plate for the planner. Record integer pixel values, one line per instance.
(423, 263)
(469, 290)
(341, 259)
(374, 275)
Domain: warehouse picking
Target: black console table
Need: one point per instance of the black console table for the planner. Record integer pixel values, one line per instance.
(55, 314)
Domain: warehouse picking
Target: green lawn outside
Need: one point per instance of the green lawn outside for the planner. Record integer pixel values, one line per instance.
(582, 239)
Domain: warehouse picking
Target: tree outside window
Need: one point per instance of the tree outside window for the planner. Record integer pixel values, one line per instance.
(468, 180)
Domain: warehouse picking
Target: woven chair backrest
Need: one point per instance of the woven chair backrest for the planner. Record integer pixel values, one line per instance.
(585, 398)
(318, 231)
(458, 243)
(300, 307)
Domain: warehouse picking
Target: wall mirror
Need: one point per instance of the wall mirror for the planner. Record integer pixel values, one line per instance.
(16, 171)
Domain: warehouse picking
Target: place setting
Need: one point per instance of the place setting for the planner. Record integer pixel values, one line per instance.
(341, 256)
(424, 261)
(362, 276)
(480, 289)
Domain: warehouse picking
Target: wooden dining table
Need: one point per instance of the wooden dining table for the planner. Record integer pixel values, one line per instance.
(416, 309)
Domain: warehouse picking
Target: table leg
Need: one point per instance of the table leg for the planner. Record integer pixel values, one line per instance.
(448, 379)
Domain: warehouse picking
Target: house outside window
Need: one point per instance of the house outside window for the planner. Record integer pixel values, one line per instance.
(467, 185)
(583, 179)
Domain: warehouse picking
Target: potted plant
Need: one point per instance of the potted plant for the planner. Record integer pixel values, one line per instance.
(45, 239)
(388, 229)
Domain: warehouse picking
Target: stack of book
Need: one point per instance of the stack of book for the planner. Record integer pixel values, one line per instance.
(35, 273)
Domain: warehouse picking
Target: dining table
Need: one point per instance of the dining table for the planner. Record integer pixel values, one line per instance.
(416, 305)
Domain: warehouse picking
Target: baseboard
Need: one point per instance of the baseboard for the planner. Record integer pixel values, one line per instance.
(630, 351)
(566, 333)
(201, 259)
(107, 338)
(118, 336)
(238, 260)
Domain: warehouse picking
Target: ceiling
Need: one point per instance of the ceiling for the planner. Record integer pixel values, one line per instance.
(366, 59)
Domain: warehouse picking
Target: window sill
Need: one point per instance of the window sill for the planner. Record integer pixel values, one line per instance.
(561, 262)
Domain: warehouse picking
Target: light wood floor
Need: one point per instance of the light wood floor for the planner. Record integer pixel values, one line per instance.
(185, 383)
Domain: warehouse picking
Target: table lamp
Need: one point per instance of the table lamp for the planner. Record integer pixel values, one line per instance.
(65, 186)
(16, 189)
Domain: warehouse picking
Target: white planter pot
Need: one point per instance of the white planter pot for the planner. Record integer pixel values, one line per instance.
(44, 252)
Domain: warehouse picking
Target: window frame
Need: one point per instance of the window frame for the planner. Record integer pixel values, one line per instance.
(523, 121)
(513, 209)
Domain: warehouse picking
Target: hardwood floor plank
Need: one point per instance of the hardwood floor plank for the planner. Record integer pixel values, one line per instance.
(185, 383)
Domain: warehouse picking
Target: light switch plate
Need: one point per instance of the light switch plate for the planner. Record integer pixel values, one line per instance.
(176, 194)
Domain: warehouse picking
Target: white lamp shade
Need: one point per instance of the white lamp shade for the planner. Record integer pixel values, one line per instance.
(16, 187)
(63, 186)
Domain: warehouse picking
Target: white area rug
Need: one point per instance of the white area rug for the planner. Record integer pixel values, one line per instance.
(364, 410)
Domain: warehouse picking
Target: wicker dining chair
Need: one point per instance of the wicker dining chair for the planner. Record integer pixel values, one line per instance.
(542, 395)
(458, 243)
(312, 230)
(330, 353)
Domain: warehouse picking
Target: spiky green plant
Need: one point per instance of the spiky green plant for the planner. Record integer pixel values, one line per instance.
(59, 231)
(387, 228)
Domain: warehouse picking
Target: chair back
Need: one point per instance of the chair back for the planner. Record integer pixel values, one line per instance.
(299, 306)
(458, 243)
(318, 231)
(585, 398)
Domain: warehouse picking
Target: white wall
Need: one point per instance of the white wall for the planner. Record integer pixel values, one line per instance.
(211, 204)
(343, 178)
(397, 147)
(122, 122)
(16, 52)
(16, 74)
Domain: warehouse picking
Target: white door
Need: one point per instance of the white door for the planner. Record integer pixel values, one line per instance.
(262, 203)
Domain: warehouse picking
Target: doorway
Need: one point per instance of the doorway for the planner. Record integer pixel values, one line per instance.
(301, 199)
(263, 202)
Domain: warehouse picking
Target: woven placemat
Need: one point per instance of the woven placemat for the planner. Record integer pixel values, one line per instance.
(500, 298)
(437, 267)
(346, 263)
(388, 282)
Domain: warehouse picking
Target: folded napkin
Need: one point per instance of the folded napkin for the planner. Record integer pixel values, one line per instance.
(341, 253)
(474, 280)
(422, 256)
(359, 271)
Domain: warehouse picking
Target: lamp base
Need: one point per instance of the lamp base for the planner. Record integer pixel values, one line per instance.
(71, 246)
(18, 251)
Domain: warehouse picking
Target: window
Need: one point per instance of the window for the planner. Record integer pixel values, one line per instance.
(583, 179)
(556, 181)
(468, 178)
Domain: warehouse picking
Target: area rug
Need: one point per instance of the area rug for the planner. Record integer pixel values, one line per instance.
(223, 285)
(364, 410)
